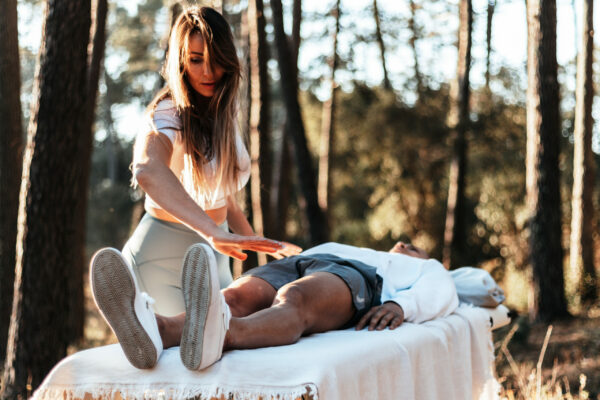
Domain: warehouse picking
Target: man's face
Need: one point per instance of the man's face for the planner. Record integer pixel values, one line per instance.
(409, 250)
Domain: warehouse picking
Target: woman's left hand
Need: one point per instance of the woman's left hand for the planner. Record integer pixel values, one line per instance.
(287, 250)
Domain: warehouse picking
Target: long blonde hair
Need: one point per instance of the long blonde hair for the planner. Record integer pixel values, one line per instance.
(208, 130)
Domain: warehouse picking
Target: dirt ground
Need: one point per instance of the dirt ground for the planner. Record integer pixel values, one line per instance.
(573, 351)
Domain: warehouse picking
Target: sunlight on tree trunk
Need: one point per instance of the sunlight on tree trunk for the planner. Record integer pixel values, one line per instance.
(11, 149)
(583, 218)
(38, 336)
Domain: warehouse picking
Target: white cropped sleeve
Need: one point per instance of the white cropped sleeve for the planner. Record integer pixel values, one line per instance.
(167, 120)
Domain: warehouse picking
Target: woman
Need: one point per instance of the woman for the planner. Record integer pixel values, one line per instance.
(191, 162)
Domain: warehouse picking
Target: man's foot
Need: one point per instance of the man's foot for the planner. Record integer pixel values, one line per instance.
(127, 310)
(206, 313)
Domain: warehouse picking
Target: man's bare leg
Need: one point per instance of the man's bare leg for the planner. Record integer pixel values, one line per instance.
(248, 295)
(315, 303)
(244, 296)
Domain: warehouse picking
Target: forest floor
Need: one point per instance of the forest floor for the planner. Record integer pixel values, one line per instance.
(571, 359)
(573, 351)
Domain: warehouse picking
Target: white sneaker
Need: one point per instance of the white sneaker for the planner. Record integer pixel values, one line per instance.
(206, 313)
(128, 311)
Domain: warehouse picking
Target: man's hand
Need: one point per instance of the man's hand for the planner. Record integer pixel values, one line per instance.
(388, 314)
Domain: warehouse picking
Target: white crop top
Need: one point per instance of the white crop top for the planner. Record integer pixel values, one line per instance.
(167, 121)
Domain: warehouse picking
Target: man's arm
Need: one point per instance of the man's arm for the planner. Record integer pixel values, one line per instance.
(432, 295)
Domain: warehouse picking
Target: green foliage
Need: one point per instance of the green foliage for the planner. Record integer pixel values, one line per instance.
(390, 168)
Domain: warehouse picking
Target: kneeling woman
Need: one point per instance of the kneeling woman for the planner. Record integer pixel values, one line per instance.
(191, 162)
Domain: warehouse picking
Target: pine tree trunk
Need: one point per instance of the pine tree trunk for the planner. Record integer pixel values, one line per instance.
(306, 177)
(386, 80)
(46, 227)
(488, 40)
(414, 36)
(328, 124)
(11, 143)
(543, 135)
(259, 120)
(458, 123)
(86, 139)
(583, 218)
(281, 183)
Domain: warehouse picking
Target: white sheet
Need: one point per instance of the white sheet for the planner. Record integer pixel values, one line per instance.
(447, 358)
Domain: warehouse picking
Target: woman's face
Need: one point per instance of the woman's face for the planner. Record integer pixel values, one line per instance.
(200, 74)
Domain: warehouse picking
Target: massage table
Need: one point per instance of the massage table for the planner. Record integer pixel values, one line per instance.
(446, 358)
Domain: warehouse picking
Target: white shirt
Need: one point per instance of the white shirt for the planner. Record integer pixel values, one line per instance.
(423, 288)
(167, 121)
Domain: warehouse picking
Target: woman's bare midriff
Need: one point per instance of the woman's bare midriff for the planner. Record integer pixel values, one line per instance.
(219, 215)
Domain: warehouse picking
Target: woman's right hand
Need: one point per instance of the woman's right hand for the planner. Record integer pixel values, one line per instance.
(233, 245)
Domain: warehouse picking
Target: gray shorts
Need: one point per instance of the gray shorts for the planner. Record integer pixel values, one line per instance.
(361, 279)
(155, 251)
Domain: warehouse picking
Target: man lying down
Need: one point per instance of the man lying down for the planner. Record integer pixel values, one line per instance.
(330, 286)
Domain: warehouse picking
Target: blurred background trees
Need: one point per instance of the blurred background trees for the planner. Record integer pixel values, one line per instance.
(382, 82)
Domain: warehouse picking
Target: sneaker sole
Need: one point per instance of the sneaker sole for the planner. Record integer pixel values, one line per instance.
(114, 293)
(196, 293)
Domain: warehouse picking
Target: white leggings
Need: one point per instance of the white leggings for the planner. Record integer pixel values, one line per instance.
(155, 251)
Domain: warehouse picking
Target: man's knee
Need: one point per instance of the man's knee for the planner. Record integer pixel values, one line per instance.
(235, 301)
(292, 295)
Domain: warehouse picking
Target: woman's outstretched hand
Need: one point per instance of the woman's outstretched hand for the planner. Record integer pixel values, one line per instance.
(288, 250)
(233, 245)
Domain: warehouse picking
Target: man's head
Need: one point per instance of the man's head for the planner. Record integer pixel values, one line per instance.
(409, 250)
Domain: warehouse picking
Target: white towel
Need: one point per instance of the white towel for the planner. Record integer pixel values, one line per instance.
(447, 358)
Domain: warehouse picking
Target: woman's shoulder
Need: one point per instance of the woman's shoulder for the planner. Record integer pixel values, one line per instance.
(165, 104)
(166, 115)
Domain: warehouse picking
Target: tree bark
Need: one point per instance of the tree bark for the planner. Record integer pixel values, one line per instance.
(386, 80)
(38, 336)
(543, 135)
(583, 218)
(458, 123)
(281, 183)
(317, 225)
(328, 123)
(86, 140)
(488, 40)
(11, 147)
(414, 36)
(259, 120)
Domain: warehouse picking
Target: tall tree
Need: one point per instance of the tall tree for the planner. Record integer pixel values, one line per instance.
(86, 139)
(281, 185)
(259, 119)
(414, 36)
(543, 142)
(48, 199)
(379, 36)
(11, 142)
(458, 123)
(328, 121)
(583, 218)
(488, 40)
(317, 225)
